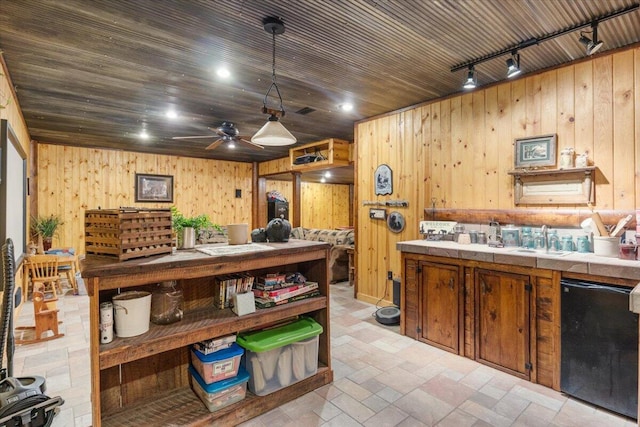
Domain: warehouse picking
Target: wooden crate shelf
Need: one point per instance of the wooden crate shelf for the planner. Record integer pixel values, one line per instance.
(126, 233)
(335, 153)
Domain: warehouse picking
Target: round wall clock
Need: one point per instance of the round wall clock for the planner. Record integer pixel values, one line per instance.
(395, 222)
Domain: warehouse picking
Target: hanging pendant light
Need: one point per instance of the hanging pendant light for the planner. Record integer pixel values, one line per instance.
(273, 133)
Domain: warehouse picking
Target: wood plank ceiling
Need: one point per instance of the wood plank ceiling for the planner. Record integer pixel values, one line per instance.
(94, 73)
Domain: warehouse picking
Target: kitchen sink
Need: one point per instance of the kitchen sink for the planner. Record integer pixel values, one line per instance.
(541, 252)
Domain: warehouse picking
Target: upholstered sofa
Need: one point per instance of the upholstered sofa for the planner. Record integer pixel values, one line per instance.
(340, 240)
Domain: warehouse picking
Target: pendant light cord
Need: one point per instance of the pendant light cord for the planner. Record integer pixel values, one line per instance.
(273, 76)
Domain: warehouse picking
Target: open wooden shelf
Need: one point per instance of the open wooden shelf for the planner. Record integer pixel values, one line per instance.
(198, 326)
(335, 152)
(144, 380)
(182, 407)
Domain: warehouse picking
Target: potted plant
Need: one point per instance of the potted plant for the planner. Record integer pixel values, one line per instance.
(45, 228)
(187, 228)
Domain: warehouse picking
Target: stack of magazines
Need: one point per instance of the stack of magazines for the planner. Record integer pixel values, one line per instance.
(279, 289)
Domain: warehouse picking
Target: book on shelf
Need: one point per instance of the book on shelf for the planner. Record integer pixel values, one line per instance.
(300, 289)
(263, 293)
(228, 285)
(270, 281)
(268, 303)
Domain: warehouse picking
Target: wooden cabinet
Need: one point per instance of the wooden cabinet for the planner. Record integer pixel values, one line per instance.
(504, 316)
(436, 288)
(326, 154)
(502, 326)
(143, 380)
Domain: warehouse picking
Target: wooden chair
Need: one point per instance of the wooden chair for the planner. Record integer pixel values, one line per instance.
(43, 270)
(67, 265)
(46, 316)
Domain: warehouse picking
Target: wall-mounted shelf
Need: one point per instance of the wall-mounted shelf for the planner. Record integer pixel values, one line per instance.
(554, 186)
(330, 152)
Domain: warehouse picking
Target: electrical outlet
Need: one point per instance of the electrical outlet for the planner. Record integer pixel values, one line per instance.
(238, 193)
(389, 275)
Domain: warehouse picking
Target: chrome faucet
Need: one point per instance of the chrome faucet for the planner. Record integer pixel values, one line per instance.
(545, 237)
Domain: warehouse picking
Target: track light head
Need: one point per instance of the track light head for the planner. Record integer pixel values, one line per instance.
(591, 46)
(513, 65)
(472, 79)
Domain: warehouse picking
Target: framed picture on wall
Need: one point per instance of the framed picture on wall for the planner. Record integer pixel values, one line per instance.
(383, 180)
(535, 151)
(154, 188)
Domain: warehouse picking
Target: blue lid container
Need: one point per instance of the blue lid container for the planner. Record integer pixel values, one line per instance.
(227, 353)
(213, 388)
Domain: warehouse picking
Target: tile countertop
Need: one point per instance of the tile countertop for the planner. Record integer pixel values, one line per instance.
(574, 262)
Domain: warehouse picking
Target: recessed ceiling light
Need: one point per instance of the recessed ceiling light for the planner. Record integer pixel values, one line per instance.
(223, 72)
(143, 135)
(347, 106)
(327, 174)
(323, 180)
(171, 114)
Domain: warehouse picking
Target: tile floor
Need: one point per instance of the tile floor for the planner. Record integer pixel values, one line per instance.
(380, 379)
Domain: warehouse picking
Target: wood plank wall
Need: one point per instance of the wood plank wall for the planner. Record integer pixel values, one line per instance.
(455, 152)
(72, 180)
(323, 205)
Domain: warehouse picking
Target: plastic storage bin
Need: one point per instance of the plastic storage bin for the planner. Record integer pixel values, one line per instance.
(278, 357)
(217, 366)
(222, 393)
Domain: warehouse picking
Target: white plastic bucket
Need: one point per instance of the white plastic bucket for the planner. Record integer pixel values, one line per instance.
(132, 313)
(606, 246)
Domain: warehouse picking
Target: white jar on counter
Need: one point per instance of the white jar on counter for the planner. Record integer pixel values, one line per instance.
(566, 158)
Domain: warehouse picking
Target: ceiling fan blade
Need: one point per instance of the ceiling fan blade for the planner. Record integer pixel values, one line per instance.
(214, 144)
(217, 131)
(249, 144)
(193, 137)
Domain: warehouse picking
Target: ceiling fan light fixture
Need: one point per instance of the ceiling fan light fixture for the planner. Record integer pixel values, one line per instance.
(273, 133)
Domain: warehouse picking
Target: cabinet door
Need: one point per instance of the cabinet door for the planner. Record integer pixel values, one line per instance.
(502, 326)
(409, 299)
(440, 296)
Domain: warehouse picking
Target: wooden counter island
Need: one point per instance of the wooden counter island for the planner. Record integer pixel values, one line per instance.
(143, 380)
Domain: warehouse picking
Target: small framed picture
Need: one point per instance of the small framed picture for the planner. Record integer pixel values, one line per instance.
(375, 213)
(383, 180)
(395, 222)
(154, 188)
(535, 151)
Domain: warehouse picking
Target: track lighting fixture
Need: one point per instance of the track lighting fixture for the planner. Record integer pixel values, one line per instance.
(472, 79)
(513, 65)
(594, 45)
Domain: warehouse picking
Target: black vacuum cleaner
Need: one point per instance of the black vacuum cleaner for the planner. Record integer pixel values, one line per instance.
(22, 400)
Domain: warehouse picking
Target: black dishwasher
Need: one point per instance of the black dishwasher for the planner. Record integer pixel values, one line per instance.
(599, 340)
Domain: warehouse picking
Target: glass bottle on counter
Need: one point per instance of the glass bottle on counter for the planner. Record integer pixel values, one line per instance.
(538, 240)
(554, 240)
(567, 243)
(527, 238)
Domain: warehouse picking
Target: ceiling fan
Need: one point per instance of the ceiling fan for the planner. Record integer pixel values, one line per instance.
(227, 132)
